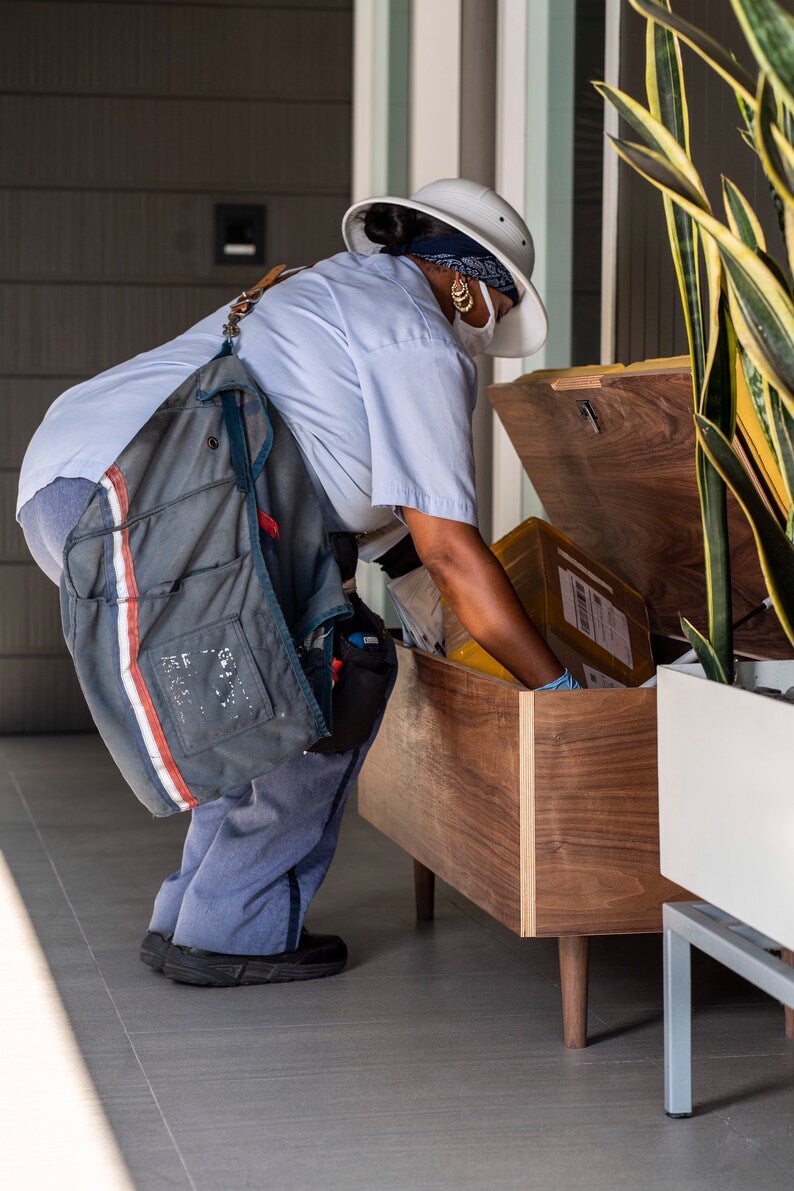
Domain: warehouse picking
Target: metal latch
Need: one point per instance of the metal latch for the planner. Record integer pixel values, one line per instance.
(586, 411)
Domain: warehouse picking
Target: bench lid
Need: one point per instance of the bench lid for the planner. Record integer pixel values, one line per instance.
(610, 452)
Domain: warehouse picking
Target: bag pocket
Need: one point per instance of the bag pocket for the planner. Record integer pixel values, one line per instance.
(210, 684)
(364, 678)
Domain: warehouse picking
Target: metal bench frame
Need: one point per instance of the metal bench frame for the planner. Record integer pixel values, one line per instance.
(734, 944)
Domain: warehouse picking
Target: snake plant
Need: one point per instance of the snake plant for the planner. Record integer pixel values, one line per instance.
(737, 300)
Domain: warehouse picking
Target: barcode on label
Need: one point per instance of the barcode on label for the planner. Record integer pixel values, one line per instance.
(595, 616)
(582, 613)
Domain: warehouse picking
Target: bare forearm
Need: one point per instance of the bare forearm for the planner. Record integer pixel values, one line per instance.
(488, 607)
(475, 585)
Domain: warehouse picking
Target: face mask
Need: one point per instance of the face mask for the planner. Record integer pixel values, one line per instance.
(475, 340)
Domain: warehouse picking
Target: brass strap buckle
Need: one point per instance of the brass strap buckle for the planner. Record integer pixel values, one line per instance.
(245, 303)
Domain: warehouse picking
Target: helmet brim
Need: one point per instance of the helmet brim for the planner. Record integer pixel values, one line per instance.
(521, 331)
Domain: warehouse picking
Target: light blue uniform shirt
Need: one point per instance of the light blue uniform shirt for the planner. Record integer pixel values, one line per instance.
(358, 358)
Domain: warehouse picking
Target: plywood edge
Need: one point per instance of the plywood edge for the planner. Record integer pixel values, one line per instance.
(526, 729)
(450, 663)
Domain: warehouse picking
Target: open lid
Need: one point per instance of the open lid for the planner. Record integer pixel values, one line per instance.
(610, 452)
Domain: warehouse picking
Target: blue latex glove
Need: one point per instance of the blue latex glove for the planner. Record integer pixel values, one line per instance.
(566, 682)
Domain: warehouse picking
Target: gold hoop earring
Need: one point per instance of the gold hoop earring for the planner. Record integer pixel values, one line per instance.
(462, 298)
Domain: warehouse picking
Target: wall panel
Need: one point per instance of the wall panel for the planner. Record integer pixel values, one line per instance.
(588, 150)
(41, 694)
(194, 5)
(31, 620)
(174, 144)
(123, 124)
(89, 328)
(12, 543)
(85, 235)
(24, 400)
(135, 49)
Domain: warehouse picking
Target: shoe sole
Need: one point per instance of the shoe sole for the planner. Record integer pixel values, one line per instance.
(230, 975)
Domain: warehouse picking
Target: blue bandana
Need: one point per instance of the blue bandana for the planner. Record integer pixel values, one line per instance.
(459, 252)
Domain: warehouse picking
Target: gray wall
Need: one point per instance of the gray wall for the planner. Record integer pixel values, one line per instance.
(649, 321)
(588, 170)
(122, 125)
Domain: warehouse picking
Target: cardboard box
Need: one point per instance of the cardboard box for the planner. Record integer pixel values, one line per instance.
(594, 622)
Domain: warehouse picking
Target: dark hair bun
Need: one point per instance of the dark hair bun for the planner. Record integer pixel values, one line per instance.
(393, 227)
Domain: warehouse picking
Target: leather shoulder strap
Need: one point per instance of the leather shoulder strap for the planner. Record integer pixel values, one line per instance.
(249, 298)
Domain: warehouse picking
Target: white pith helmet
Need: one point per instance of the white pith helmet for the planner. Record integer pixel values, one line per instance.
(483, 215)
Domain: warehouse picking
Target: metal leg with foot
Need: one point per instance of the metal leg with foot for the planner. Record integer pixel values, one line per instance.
(731, 942)
(677, 1025)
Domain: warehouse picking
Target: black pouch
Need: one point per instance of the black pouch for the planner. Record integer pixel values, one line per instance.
(363, 679)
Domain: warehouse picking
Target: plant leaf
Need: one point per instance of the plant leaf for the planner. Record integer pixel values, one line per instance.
(788, 236)
(705, 653)
(718, 400)
(718, 404)
(787, 123)
(711, 347)
(766, 330)
(748, 139)
(776, 270)
(765, 398)
(782, 427)
(756, 388)
(657, 168)
(742, 219)
(667, 101)
(711, 343)
(656, 137)
(664, 82)
(786, 151)
(769, 30)
(743, 222)
(766, 143)
(775, 551)
(717, 57)
(778, 430)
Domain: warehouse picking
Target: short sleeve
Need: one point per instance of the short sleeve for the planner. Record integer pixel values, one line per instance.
(419, 396)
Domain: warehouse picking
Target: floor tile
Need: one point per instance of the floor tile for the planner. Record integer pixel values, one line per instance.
(506, 1126)
(145, 1140)
(368, 1048)
(433, 1062)
(148, 999)
(755, 1028)
(754, 1095)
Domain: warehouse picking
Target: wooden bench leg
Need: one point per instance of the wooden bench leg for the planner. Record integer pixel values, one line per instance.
(574, 972)
(424, 887)
(788, 958)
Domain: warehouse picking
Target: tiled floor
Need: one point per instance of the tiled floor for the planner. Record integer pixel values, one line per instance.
(434, 1062)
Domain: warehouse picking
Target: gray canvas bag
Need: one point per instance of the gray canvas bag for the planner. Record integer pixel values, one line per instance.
(199, 595)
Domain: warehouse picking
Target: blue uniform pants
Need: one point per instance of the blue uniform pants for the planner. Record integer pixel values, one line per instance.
(253, 859)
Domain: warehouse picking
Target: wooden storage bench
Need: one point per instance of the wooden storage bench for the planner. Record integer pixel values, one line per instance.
(542, 808)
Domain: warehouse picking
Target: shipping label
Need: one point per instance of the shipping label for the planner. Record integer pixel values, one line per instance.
(595, 616)
(601, 582)
(597, 681)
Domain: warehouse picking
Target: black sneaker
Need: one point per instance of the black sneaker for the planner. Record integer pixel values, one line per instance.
(316, 956)
(154, 948)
